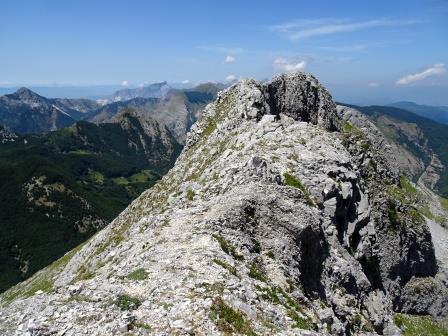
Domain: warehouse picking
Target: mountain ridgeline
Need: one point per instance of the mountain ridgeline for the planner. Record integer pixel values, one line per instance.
(60, 188)
(436, 113)
(177, 109)
(283, 215)
(26, 112)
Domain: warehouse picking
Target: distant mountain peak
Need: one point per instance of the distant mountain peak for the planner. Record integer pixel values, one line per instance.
(25, 93)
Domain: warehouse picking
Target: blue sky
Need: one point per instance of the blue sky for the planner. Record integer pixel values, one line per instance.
(364, 51)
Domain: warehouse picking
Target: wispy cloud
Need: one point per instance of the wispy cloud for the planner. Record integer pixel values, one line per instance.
(373, 84)
(288, 66)
(186, 81)
(222, 49)
(125, 83)
(231, 78)
(435, 70)
(310, 28)
(229, 59)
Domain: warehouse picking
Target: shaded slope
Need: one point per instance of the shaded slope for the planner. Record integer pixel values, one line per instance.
(60, 188)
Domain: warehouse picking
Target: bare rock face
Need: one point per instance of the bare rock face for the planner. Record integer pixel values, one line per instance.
(301, 97)
(280, 217)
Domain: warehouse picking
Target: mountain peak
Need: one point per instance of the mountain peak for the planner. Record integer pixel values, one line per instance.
(26, 93)
(296, 95)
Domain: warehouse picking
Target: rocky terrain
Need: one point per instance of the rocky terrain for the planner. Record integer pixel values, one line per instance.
(283, 215)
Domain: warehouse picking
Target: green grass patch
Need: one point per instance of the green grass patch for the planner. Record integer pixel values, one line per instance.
(84, 273)
(142, 325)
(413, 325)
(126, 302)
(256, 273)
(96, 176)
(426, 211)
(190, 194)
(407, 186)
(270, 294)
(225, 265)
(299, 321)
(229, 320)
(138, 274)
(444, 203)
(277, 295)
(294, 182)
(228, 248)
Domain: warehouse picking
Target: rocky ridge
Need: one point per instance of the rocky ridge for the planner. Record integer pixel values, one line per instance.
(283, 215)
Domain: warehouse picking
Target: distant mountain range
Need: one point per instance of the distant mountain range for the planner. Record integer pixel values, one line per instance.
(156, 90)
(436, 113)
(59, 188)
(177, 109)
(25, 112)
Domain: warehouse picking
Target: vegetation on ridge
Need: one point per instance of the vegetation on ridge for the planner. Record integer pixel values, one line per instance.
(413, 325)
(60, 188)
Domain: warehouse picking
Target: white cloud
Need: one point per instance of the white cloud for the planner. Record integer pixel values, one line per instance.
(373, 84)
(435, 70)
(309, 28)
(285, 65)
(145, 83)
(231, 78)
(187, 81)
(229, 59)
(125, 83)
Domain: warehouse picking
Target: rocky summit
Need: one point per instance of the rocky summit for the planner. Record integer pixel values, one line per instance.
(284, 215)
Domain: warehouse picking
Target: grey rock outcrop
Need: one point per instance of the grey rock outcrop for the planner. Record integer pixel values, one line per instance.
(280, 217)
(301, 97)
